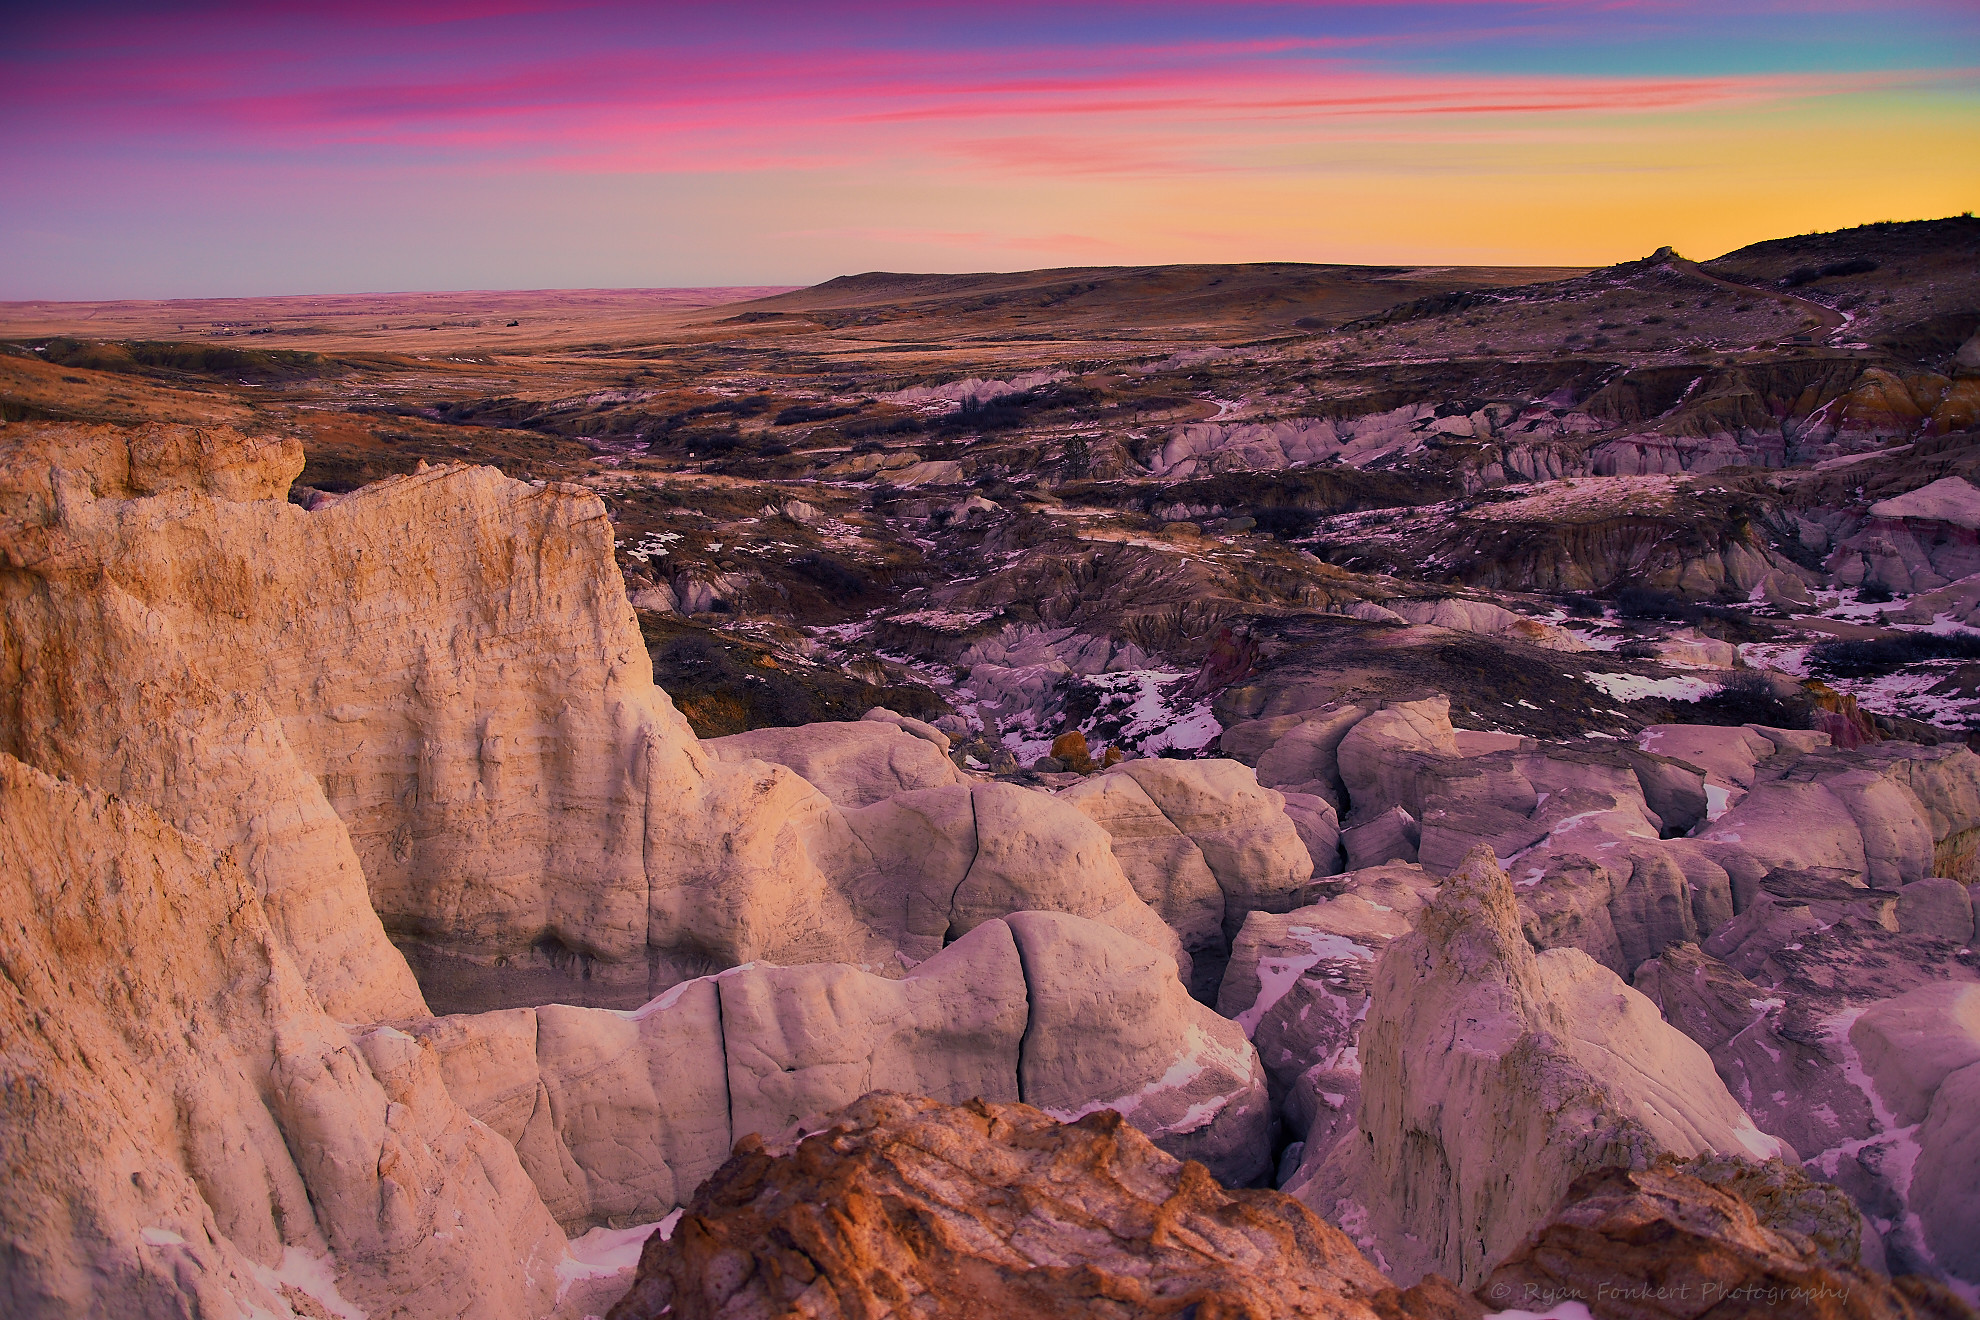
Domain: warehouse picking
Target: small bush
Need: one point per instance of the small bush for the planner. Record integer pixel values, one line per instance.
(1747, 698)
(1801, 275)
(1649, 603)
(798, 413)
(837, 579)
(1288, 523)
(871, 426)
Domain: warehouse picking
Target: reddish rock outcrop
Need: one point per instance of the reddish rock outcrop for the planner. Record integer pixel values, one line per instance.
(906, 1207)
(1663, 1242)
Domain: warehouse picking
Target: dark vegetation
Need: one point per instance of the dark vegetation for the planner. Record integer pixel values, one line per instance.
(1801, 275)
(799, 413)
(843, 583)
(177, 361)
(1881, 655)
(1668, 607)
(725, 684)
(1748, 698)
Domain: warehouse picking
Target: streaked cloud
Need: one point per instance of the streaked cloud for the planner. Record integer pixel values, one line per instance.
(1073, 115)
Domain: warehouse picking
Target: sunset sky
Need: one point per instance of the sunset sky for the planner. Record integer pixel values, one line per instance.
(223, 148)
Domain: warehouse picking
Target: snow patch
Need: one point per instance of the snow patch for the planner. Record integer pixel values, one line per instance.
(604, 1252)
(1635, 687)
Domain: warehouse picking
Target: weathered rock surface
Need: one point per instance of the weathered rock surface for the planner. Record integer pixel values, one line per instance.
(436, 678)
(1478, 616)
(1945, 1181)
(429, 700)
(1480, 1057)
(903, 1206)
(1836, 1028)
(855, 764)
(617, 1116)
(1204, 845)
(1911, 1043)
(1298, 982)
(1778, 1064)
(185, 1130)
(1664, 1241)
(1112, 1027)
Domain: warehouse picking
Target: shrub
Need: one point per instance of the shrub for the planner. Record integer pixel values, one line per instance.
(1748, 698)
(812, 412)
(836, 578)
(1287, 522)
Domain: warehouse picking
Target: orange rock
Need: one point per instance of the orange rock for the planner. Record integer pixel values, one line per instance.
(1660, 1242)
(904, 1206)
(1071, 748)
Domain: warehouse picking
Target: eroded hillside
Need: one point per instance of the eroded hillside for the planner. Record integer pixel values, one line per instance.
(1148, 791)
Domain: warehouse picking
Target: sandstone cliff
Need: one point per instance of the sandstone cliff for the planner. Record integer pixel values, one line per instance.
(186, 1131)
(427, 703)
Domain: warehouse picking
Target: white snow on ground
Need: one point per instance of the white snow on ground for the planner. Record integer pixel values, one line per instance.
(653, 544)
(1560, 1311)
(1635, 687)
(1155, 722)
(954, 621)
(1908, 693)
(1718, 801)
(607, 1251)
(1277, 976)
(1788, 657)
(1592, 639)
(311, 1275)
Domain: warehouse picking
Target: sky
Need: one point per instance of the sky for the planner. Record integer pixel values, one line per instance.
(226, 148)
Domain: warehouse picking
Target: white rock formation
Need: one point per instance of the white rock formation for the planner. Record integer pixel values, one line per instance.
(617, 1116)
(1203, 844)
(1478, 616)
(854, 764)
(186, 1130)
(1493, 1076)
(429, 701)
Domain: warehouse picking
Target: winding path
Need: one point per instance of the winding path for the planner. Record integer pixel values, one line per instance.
(1833, 321)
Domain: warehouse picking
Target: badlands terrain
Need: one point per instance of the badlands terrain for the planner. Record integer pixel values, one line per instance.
(1260, 790)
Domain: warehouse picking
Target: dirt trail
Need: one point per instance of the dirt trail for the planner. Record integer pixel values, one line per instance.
(1831, 319)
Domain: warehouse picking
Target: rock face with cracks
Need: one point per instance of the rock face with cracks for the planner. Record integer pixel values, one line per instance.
(186, 1131)
(1204, 845)
(901, 1206)
(618, 1116)
(428, 702)
(1493, 1077)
